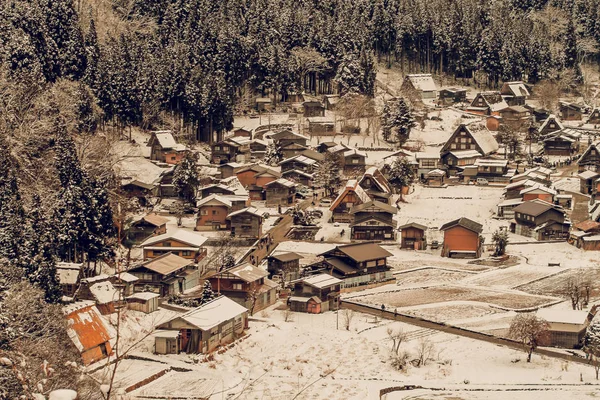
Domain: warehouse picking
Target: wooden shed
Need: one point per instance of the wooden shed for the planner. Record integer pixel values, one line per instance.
(167, 342)
(145, 302)
(412, 236)
(311, 305)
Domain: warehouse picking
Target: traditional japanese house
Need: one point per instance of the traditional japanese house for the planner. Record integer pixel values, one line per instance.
(354, 161)
(286, 137)
(538, 191)
(492, 169)
(165, 275)
(280, 192)
(140, 190)
(427, 162)
(514, 93)
(357, 264)
(313, 108)
(149, 225)
(227, 150)
(242, 132)
(350, 196)
(538, 174)
(88, 331)
(203, 329)
(215, 188)
(465, 146)
(590, 159)
(266, 176)
(100, 290)
(373, 220)
(258, 148)
(247, 285)
(586, 235)
(594, 117)
(124, 282)
(435, 177)
(298, 163)
(164, 148)
(324, 146)
(566, 327)
(228, 170)
(560, 144)
(506, 207)
(212, 213)
(292, 149)
(68, 275)
(183, 243)
(247, 174)
(550, 125)
(540, 220)
(321, 125)
(570, 111)
(517, 118)
(462, 238)
(449, 96)
(331, 101)
(246, 223)
(423, 84)
(287, 265)
(376, 185)
(587, 181)
(300, 177)
(412, 236)
(323, 289)
(487, 103)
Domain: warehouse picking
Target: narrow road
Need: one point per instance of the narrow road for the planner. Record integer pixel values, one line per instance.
(453, 330)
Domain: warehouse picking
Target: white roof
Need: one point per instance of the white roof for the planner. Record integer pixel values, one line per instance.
(104, 292)
(167, 141)
(510, 202)
(127, 277)
(165, 334)
(322, 281)
(518, 88)
(575, 317)
(484, 139)
(282, 181)
(354, 151)
(423, 82)
(498, 106)
(436, 172)
(213, 198)
(552, 117)
(538, 186)
(67, 273)
(213, 313)
(587, 174)
(338, 147)
(491, 162)
(465, 154)
(233, 183)
(188, 237)
(423, 155)
(143, 296)
(320, 120)
(251, 210)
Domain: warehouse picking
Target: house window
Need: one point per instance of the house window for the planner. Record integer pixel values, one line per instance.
(217, 148)
(463, 140)
(237, 286)
(225, 148)
(463, 146)
(173, 158)
(185, 253)
(552, 126)
(453, 146)
(215, 212)
(355, 161)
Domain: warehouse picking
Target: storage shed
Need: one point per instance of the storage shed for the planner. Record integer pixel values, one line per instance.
(145, 302)
(311, 305)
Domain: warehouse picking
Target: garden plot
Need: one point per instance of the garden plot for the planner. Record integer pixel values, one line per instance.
(429, 276)
(511, 277)
(555, 285)
(453, 312)
(543, 254)
(414, 297)
(410, 259)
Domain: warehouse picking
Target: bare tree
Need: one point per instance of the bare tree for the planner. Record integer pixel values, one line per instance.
(347, 317)
(530, 330)
(548, 93)
(425, 351)
(572, 291)
(397, 337)
(591, 345)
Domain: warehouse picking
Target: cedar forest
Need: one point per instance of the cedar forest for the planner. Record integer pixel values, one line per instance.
(75, 70)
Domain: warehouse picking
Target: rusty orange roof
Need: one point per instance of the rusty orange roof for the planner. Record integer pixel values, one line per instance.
(86, 327)
(588, 225)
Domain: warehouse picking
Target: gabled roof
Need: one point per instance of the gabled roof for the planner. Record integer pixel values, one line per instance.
(492, 99)
(378, 178)
(154, 219)
(360, 252)
(465, 223)
(247, 210)
(337, 148)
(298, 172)
(214, 198)
(402, 153)
(234, 184)
(352, 152)
(552, 118)
(374, 203)
(322, 281)
(571, 317)
(592, 146)
(253, 167)
(286, 134)
(588, 174)
(516, 88)
(269, 172)
(572, 106)
(540, 187)
(588, 226)
(533, 208)
(483, 138)
(300, 158)
(188, 237)
(68, 273)
(104, 292)
(436, 172)
(165, 264)
(282, 182)
(284, 257)
(351, 186)
(422, 82)
(210, 314)
(412, 225)
(248, 272)
(143, 296)
(166, 140)
(218, 185)
(313, 154)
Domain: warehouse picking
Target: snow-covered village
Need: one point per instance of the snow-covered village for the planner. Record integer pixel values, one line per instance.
(280, 199)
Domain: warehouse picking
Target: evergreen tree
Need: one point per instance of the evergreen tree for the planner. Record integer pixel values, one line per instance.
(92, 51)
(327, 174)
(207, 293)
(401, 174)
(570, 54)
(591, 344)
(186, 178)
(273, 155)
(11, 208)
(397, 121)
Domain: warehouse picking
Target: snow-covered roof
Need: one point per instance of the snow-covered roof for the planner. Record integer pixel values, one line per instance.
(126, 277)
(490, 162)
(249, 210)
(233, 183)
(297, 171)
(422, 82)
(552, 118)
(517, 88)
(460, 154)
(85, 326)
(510, 202)
(320, 120)
(436, 172)
(67, 273)
(322, 281)
(540, 187)
(213, 198)
(351, 185)
(337, 148)
(104, 292)
(143, 296)
(485, 140)
(352, 152)
(165, 264)
(588, 174)
(188, 237)
(283, 182)
(575, 317)
(212, 314)
(248, 272)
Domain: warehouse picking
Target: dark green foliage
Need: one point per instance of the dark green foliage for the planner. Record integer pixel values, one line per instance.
(397, 121)
(186, 178)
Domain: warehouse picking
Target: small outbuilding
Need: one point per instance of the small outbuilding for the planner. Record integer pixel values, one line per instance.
(311, 305)
(146, 302)
(567, 327)
(412, 236)
(435, 177)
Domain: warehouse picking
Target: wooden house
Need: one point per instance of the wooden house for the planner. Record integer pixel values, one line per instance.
(300, 177)
(242, 132)
(324, 146)
(538, 192)
(266, 176)
(514, 93)
(247, 285)
(450, 96)
(357, 264)
(216, 188)
(212, 213)
(570, 111)
(287, 265)
(517, 118)
(435, 177)
(100, 290)
(228, 150)
(323, 289)
(550, 125)
(183, 243)
(313, 108)
(247, 174)
(492, 169)
(258, 149)
(88, 331)
(286, 137)
(228, 170)
(566, 327)
(246, 223)
(204, 329)
(586, 235)
(427, 162)
(292, 149)
(354, 161)
(465, 146)
(68, 275)
(590, 159)
(373, 220)
(537, 174)
(350, 196)
(140, 190)
(376, 185)
(540, 220)
(462, 238)
(124, 282)
(165, 275)
(321, 125)
(264, 104)
(506, 207)
(487, 103)
(330, 101)
(594, 117)
(146, 302)
(423, 84)
(149, 225)
(412, 236)
(280, 192)
(164, 148)
(560, 144)
(298, 163)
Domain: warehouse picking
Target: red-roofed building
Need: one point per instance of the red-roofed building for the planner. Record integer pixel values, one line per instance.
(88, 331)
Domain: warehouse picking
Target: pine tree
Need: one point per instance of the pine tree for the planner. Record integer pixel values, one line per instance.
(186, 178)
(570, 55)
(11, 208)
(591, 344)
(273, 155)
(92, 51)
(397, 121)
(207, 293)
(401, 174)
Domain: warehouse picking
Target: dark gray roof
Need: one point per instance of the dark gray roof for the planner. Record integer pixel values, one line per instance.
(283, 257)
(413, 225)
(465, 223)
(374, 203)
(533, 208)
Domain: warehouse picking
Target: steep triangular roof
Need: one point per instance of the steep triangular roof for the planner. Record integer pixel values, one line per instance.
(375, 204)
(465, 223)
(378, 178)
(247, 210)
(351, 186)
(594, 146)
(212, 199)
(545, 125)
(483, 139)
(188, 237)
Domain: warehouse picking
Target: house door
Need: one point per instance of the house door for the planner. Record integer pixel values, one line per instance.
(103, 349)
